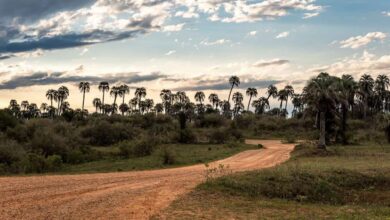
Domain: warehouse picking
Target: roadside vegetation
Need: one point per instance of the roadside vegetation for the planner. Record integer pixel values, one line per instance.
(343, 182)
(137, 133)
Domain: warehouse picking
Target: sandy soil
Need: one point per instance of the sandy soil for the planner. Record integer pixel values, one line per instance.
(123, 195)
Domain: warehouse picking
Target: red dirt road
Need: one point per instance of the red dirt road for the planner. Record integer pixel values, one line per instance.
(123, 195)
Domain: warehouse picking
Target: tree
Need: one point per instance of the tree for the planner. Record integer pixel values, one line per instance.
(43, 107)
(62, 94)
(166, 97)
(319, 93)
(251, 92)
(366, 85)
(382, 83)
(272, 91)
(214, 100)
(282, 96)
(238, 97)
(346, 87)
(199, 97)
(24, 105)
(83, 87)
(115, 92)
(149, 103)
(97, 103)
(289, 92)
(104, 87)
(234, 81)
(51, 94)
(123, 108)
(124, 89)
(159, 107)
(140, 93)
(260, 105)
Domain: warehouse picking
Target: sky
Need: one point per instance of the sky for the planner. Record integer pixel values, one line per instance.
(187, 45)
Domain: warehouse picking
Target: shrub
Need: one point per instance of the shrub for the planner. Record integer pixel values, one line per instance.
(54, 163)
(186, 136)
(137, 148)
(217, 136)
(167, 156)
(211, 120)
(7, 120)
(35, 163)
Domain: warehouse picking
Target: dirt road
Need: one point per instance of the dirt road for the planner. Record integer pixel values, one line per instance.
(124, 195)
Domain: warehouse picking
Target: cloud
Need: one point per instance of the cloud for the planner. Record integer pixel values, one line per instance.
(170, 52)
(366, 63)
(283, 35)
(274, 62)
(252, 33)
(360, 41)
(310, 15)
(53, 78)
(216, 42)
(173, 28)
(386, 13)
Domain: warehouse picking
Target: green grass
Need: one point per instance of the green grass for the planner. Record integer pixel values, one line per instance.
(184, 154)
(345, 182)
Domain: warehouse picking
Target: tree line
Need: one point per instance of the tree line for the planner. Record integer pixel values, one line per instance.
(326, 98)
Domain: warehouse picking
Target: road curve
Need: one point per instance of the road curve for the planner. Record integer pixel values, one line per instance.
(122, 195)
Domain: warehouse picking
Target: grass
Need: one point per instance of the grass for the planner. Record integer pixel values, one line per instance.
(345, 182)
(184, 154)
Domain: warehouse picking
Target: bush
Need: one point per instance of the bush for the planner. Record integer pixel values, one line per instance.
(7, 120)
(54, 163)
(211, 120)
(35, 163)
(137, 148)
(217, 136)
(167, 156)
(186, 136)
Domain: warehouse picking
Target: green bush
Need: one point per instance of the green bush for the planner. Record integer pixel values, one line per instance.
(186, 136)
(7, 120)
(35, 163)
(54, 163)
(137, 148)
(167, 156)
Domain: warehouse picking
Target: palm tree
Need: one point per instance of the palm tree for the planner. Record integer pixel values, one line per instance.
(115, 91)
(237, 97)
(14, 107)
(133, 103)
(366, 85)
(65, 106)
(272, 91)
(289, 92)
(319, 93)
(166, 97)
(43, 107)
(282, 96)
(140, 93)
(24, 105)
(159, 107)
(345, 91)
(63, 93)
(124, 89)
(123, 108)
(149, 103)
(97, 103)
(83, 87)
(382, 83)
(233, 81)
(104, 87)
(251, 92)
(199, 97)
(260, 105)
(51, 94)
(214, 100)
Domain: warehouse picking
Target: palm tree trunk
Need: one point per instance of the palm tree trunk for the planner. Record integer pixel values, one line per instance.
(123, 101)
(322, 142)
(344, 123)
(230, 93)
(250, 99)
(102, 101)
(285, 107)
(365, 108)
(82, 108)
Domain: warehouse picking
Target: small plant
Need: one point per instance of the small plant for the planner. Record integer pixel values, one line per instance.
(212, 173)
(167, 156)
(260, 146)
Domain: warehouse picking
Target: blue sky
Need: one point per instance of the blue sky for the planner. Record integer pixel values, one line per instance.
(189, 44)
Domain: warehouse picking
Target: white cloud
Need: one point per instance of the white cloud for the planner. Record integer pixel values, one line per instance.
(386, 13)
(360, 41)
(170, 52)
(217, 42)
(188, 14)
(311, 15)
(84, 51)
(283, 35)
(252, 33)
(173, 28)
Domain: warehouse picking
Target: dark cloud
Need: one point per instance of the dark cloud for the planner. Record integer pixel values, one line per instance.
(28, 11)
(44, 78)
(260, 84)
(67, 41)
(4, 57)
(276, 62)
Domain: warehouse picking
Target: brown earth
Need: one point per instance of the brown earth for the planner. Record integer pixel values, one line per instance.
(123, 195)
